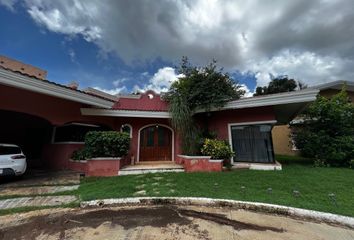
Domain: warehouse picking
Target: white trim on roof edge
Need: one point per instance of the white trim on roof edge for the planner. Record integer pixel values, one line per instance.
(307, 95)
(16, 80)
(302, 96)
(123, 113)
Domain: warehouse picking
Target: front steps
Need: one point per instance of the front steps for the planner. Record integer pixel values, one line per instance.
(142, 168)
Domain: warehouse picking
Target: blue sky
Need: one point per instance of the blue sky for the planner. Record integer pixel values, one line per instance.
(30, 43)
(121, 46)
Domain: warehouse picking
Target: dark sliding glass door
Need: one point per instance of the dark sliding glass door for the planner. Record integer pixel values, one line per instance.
(252, 143)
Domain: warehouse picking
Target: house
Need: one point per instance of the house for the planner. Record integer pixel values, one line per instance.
(49, 121)
(282, 134)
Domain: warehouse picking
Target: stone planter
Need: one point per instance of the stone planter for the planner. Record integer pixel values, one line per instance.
(200, 163)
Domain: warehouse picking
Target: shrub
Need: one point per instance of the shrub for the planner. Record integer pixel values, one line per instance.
(107, 143)
(217, 149)
(327, 134)
(103, 144)
(80, 154)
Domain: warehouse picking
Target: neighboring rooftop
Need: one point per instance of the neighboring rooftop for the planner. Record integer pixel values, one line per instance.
(335, 85)
(23, 68)
(148, 101)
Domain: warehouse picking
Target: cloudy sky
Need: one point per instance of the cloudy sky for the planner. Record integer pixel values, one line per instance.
(122, 46)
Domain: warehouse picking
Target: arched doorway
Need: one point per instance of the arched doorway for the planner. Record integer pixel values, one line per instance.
(155, 143)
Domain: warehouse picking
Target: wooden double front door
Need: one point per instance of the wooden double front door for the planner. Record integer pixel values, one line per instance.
(155, 144)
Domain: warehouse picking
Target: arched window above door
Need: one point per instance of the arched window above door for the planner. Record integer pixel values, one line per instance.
(127, 128)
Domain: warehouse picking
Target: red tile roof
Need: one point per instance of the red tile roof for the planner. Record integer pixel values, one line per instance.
(54, 83)
(148, 101)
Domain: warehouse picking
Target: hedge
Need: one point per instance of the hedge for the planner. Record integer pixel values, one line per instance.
(103, 144)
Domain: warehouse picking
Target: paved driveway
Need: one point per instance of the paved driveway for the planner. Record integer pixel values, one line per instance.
(33, 188)
(163, 223)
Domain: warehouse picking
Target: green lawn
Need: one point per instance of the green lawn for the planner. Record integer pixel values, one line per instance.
(314, 185)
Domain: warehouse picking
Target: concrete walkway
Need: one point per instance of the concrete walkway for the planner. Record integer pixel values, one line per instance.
(40, 190)
(27, 192)
(37, 201)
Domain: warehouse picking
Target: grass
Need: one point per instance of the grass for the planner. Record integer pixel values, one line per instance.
(314, 185)
(28, 209)
(69, 192)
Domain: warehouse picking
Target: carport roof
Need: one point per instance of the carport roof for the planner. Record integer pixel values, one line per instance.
(20, 80)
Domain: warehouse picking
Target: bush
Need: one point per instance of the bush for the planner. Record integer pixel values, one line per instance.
(327, 134)
(80, 154)
(103, 144)
(107, 143)
(217, 149)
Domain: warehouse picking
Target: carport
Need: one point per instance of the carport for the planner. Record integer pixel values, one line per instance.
(29, 132)
(37, 115)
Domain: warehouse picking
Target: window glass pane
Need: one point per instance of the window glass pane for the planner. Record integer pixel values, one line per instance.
(6, 150)
(127, 129)
(162, 134)
(150, 136)
(252, 143)
(74, 133)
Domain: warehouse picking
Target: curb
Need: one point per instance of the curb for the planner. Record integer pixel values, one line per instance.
(210, 202)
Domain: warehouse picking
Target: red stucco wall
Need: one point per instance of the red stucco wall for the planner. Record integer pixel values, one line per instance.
(56, 156)
(102, 167)
(218, 121)
(96, 167)
(55, 110)
(191, 164)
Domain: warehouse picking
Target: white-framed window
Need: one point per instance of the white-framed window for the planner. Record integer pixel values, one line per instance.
(127, 128)
(74, 132)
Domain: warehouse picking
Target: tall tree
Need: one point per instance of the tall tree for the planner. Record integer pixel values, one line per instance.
(200, 88)
(278, 85)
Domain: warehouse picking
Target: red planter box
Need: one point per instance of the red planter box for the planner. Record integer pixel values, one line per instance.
(200, 164)
(102, 167)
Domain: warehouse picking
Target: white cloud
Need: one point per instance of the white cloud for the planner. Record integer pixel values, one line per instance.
(72, 55)
(160, 81)
(120, 81)
(248, 93)
(114, 91)
(9, 4)
(310, 40)
(304, 66)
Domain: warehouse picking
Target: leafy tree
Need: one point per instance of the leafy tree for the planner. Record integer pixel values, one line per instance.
(278, 85)
(328, 131)
(200, 88)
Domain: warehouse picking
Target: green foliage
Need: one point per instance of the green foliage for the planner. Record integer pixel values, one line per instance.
(278, 85)
(200, 88)
(80, 154)
(217, 149)
(328, 131)
(351, 163)
(103, 144)
(107, 143)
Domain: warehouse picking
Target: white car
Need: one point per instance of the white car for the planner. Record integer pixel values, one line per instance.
(12, 160)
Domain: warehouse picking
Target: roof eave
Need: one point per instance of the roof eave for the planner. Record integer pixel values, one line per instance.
(124, 113)
(304, 96)
(16, 80)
